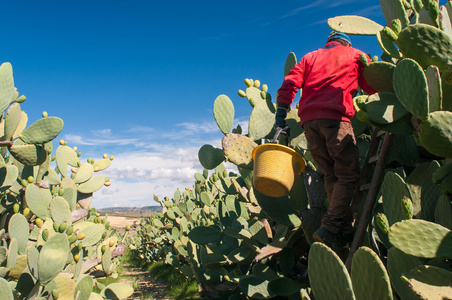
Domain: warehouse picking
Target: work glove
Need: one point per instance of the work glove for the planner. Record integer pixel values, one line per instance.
(280, 118)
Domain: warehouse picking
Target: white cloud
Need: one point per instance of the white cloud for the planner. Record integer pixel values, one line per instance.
(157, 164)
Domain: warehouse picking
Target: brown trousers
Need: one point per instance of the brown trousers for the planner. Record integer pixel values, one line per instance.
(333, 146)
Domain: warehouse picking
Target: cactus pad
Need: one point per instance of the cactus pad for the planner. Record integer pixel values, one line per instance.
(368, 267)
(210, 157)
(394, 9)
(261, 120)
(400, 264)
(394, 190)
(52, 257)
(421, 238)
(430, 282)
(238, 149)
(388, 46)
(29, 155)
(410, 85)
(291, 61)
(324, 268)
(379, 76)
(42, 131)
(223, 111)
(417, 40)
(384, 108)
(434, 88)
(354, 25)
(436, 133)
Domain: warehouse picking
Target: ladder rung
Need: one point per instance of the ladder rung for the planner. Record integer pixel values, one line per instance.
(373, 159)
(380, 133)
(365, 187)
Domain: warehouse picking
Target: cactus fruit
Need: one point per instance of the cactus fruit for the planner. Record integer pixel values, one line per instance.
(390, 34)
(241, 93)
(382, 222)
(407, 208)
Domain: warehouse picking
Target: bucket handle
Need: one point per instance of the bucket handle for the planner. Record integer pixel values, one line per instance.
(285, 132)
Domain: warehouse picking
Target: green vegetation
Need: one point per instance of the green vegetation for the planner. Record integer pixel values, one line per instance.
(50, 237)
(228, 236)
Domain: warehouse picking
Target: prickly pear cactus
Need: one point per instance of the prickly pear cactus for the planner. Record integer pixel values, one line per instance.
(48, 239)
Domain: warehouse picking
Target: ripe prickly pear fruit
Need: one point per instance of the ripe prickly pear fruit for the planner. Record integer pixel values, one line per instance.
(97, 214)
(257, 83)
(112, 157)
(363, 59)
(111, 243)
(383, 222)
(226, 277)
(26, 211)
(105, 155)
(407, 208)
(16, 208)
(62, 227)
(24, 182)
(76, 257)
(241, 93)
(73, 170)
(103, 249)
(62, 142)
(45, 114)
(38, 222)
(55, 294)
(127, 227)
(45, 235)
(248, 82)
(81, 236)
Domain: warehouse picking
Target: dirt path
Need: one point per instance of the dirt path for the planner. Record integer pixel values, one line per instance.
(147, 287)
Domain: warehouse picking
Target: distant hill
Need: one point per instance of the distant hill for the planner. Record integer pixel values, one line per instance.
(130, 211)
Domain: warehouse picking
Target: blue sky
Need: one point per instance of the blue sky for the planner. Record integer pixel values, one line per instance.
(137, 79)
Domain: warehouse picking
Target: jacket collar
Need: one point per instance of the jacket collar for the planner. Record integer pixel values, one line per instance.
(332, 44)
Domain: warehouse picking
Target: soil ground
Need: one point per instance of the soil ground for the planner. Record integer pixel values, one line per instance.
(147, 287)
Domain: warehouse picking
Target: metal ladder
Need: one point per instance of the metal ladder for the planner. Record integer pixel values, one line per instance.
(372, 188)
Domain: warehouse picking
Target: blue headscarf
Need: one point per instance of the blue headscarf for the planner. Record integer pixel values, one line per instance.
(338, 35)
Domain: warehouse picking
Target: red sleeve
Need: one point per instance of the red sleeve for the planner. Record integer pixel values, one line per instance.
(362, 82)
(292, 82)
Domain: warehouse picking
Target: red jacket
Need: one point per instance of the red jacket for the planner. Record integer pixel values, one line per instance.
(328, 78)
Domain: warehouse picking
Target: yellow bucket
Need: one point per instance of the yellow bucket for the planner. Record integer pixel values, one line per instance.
(275, 169)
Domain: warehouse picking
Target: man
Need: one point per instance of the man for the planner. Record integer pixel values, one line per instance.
(329, 77)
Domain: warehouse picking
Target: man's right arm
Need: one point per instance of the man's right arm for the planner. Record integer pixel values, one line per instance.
(292, 82)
